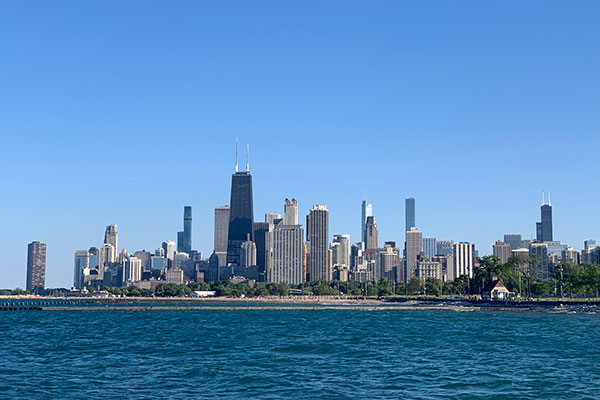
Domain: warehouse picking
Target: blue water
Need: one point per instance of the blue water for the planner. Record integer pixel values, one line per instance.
(324, 354)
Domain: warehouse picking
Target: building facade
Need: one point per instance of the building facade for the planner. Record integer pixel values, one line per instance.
(409, 207)
(464, 253)
(288, 254)
(317, 234)
(366, 210)
(429, 247)
(290, 212)
(371, 239)
(36, 267)
(414, 246)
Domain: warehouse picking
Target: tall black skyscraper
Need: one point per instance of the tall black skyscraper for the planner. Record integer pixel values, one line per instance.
(544, 228)
(241, 214)
(184, 238)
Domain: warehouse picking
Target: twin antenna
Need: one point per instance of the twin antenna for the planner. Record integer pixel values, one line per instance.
(544, 200)
(247, 156)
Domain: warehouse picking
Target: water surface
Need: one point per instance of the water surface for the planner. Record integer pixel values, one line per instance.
(324, 354)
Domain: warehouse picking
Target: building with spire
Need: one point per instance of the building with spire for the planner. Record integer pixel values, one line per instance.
(241, 213)
(366, 209)
(544, 227)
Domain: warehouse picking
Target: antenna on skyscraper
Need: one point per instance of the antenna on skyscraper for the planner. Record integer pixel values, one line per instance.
(236, 154)
(543, 197)
(549, 201)
(247, 158)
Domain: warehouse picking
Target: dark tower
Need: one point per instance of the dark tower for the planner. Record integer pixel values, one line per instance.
(410, 214)
(184, 238)
(544, 228)
(241, 214)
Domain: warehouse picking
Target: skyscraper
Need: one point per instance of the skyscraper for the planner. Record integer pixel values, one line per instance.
(463, 259)
(261, 231)
(514, 240)
(184, 238)
(366, 211)
(288, 254)
(317, 232)
(82, 261)
(111, 237)
(271, 217)
(241, 214)
(133, 270)
(414, 246)
(221, 233)
(444, 247)
(371, 239)
(290, 214)
(502, 251)
(429, 247)
(169, 248)
(344, 250)
(588, 244)
(107, 255)
(36, 267)
(248, 254)
(544, 227)
(410, 213)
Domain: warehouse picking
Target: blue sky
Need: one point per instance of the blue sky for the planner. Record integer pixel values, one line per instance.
(124, 112)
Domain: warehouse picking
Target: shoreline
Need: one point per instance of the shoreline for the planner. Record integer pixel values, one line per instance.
(288, 303)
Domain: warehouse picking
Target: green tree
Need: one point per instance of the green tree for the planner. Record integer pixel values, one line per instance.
(433, 287)
(415, 286)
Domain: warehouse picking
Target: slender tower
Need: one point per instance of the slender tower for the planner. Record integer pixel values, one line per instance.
(366, 210)
(241, 213)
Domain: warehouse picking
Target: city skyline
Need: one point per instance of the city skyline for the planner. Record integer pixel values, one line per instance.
(437, 107)
(325, 264)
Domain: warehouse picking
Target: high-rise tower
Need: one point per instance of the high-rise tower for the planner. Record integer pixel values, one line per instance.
(317, 232)
(241, 214)
(366, 210)
(371, 240)
(111, 237)
(410, 213)
(290, 212)
(184, 238)
(544, 228)
(36, 267)
(414, 246)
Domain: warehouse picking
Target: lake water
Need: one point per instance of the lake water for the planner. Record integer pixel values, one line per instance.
(324, 354)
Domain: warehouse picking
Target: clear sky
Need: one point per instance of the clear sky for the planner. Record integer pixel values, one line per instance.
(125, 111)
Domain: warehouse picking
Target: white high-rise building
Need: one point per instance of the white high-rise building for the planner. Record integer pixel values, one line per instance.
(271, 217)
(463, 259)
(343, 255)
(107, 254)
(290, 212)
(288, 249)
(82, 261)
(133, 269)
(414, 246)
(169, 248)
